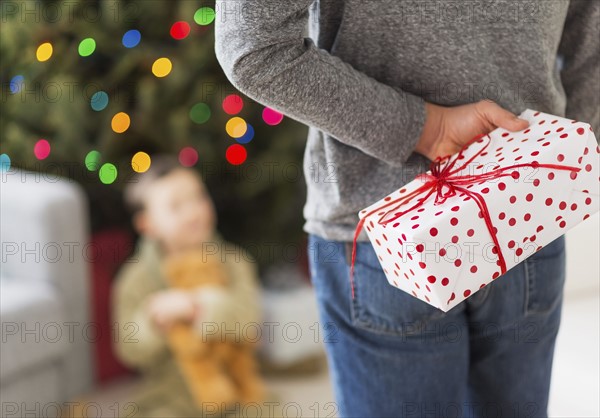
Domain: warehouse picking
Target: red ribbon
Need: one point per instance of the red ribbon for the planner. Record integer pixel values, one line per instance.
(443, 174)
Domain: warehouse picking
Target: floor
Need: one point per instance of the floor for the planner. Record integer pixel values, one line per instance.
(575, 377)
(574, 390)
(575, 382)
(307, 396)
(576, 372)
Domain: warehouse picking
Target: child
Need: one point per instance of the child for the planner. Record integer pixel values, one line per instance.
(173, 212)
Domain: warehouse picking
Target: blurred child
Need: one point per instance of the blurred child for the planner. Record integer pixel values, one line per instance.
(173, 212)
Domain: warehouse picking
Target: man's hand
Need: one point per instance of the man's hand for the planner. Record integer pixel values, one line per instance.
(170, 306)
(447, 129)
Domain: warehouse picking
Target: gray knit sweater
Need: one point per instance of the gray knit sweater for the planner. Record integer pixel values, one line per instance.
(358, 73)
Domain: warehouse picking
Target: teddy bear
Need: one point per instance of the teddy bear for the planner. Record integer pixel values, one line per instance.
(217, 370)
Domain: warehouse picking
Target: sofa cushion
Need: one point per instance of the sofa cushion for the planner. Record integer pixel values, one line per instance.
(34, 325)
(37, 393)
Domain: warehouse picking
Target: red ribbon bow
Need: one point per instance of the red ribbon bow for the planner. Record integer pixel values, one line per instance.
(443, 175)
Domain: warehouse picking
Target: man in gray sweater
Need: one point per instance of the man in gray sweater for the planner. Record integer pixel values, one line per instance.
(385, 87)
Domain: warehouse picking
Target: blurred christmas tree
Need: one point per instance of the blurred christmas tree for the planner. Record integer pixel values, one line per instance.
(88, 85)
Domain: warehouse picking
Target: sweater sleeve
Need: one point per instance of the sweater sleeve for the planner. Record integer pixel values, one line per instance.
(580, 50)
(139, 344)
(263, 51)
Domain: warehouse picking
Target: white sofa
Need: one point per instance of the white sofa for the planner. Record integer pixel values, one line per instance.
(47, 335)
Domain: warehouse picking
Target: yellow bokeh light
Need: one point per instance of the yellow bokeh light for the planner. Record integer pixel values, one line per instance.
(44, 52)
(236, 127)
(162, 67)
(120, 122)
(140, 162)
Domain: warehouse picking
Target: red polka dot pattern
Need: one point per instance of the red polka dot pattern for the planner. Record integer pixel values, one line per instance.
(443, 253)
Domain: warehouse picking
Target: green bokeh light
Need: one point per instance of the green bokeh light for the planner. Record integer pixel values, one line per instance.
(204, 16)
(87, 47)
(200, 113)
(108, 173)
(92, 160)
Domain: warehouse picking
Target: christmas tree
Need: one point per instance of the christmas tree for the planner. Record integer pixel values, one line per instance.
(91, 90)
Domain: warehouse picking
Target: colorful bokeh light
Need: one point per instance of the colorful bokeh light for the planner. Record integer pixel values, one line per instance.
(200, 113)
(162, 67)
(41, 149)
(4, 162)
(16, 83)
(248, 136)
(108, 173)
(87, 47)
(140, 162)
(180, 30)
(131, 38)
(44, 52)
(235, 154)
(92, 160)
(233, 104)
(99, 101)
(188, 156)
(236, 127)
(271, 116)
(120, 122)
(204, 16)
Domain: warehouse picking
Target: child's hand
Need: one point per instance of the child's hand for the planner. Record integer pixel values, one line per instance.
(170, 306)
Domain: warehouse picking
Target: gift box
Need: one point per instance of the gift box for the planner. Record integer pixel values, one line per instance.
(476, 214)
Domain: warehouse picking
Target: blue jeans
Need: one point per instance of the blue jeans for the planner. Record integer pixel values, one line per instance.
(393, 355)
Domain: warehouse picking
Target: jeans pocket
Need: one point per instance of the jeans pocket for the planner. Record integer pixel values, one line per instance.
(545, 277)
(382, 308)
